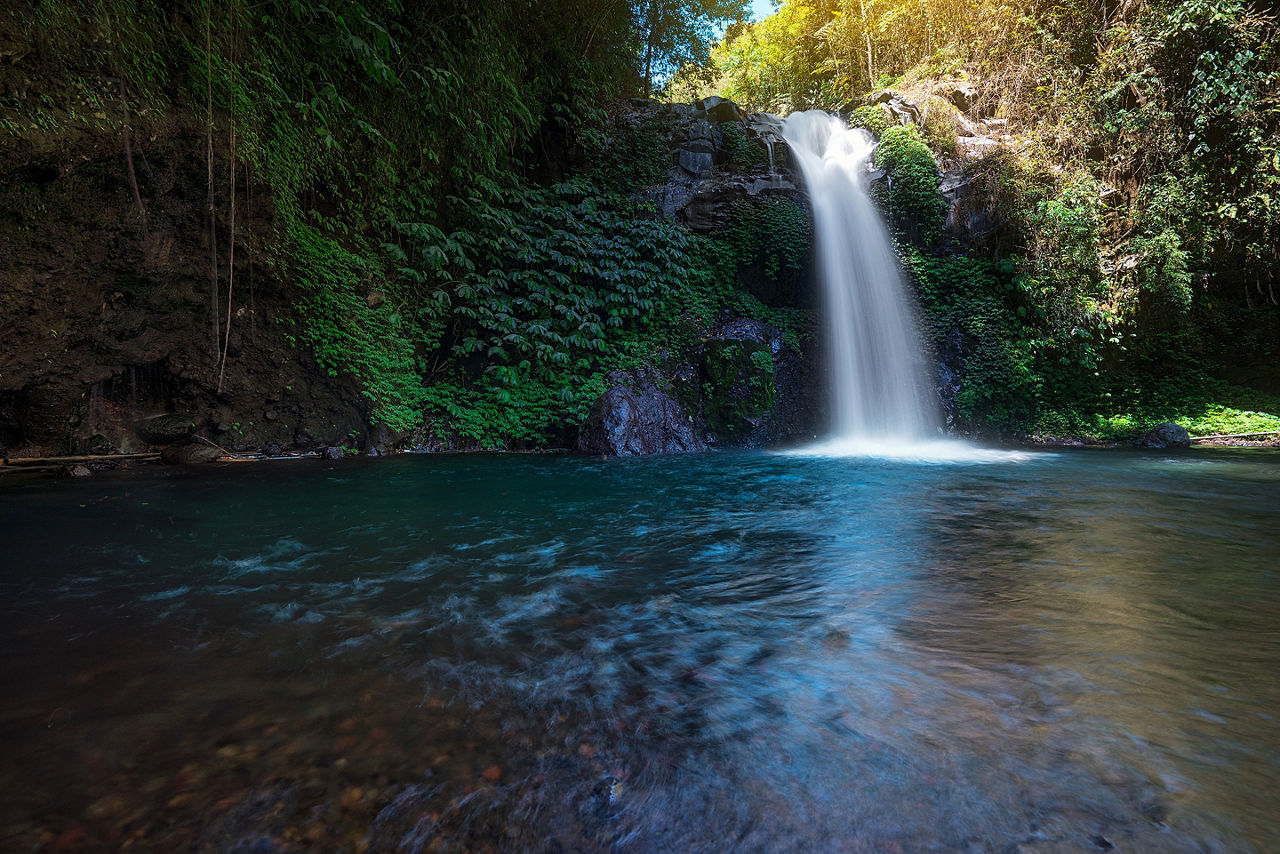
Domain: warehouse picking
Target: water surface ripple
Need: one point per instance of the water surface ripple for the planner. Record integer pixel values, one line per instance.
(752, 652)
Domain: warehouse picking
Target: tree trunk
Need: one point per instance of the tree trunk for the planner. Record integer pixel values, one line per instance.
(866, 31)
(648, 49)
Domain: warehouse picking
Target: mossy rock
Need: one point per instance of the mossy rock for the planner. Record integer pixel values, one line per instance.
(738, 386)
(873, 118)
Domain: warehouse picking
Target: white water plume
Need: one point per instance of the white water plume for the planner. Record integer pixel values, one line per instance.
(881, 403)
(878, 390)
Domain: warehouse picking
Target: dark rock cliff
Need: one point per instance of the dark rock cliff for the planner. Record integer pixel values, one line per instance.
(108, 322)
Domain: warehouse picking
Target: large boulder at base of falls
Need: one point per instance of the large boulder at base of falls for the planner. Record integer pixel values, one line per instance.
(635, 417)
(1168, 435)
(755, 390)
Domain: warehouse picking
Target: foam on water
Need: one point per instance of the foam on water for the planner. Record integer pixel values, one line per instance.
(932, 451)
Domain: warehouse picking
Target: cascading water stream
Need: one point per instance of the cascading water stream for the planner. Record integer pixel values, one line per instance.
(879, 395)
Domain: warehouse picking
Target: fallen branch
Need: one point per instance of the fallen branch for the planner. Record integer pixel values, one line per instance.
(214, 444)
(82, 458)
(1236, 435)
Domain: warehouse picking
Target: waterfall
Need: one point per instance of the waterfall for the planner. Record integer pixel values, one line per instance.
(881, 401)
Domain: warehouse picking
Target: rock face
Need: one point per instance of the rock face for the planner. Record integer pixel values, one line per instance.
(741, 387)
(188, 455)
(1167, 435)
(740, 384)
(105, 324)
(719, 156)
(636, 417)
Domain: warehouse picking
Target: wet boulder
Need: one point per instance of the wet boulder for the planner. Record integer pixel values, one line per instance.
(710, 200)
(719, 109)
(634, 417)
(165, 429)
(1167, 435)
(189, 455)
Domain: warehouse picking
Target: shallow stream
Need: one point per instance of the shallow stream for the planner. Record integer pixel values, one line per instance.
(1044, 652)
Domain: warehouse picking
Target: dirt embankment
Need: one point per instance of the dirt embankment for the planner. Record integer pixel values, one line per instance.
(106, 322)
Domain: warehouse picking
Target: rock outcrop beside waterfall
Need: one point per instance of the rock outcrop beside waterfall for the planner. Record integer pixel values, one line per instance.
(743, 384)
(719, 156)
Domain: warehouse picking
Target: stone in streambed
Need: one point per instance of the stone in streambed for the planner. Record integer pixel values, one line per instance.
(1167, 435)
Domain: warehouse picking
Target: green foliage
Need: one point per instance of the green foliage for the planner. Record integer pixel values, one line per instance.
(874, 118)
(1163, 269)
(777, 64)
(632, 156)
(915, 205)
(1204, 406)
(975, 321)
(939, 126)
(525, 308)
(774, 236)
(744, 151)
(676, 32)
(73, 64)
(739, 385)
(348, 335)
(773, 232)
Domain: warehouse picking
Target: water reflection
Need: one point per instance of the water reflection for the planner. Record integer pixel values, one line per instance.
(748, 652)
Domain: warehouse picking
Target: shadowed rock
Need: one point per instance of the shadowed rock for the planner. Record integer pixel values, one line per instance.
(1167, 435)
(187, 455)
(635, 417)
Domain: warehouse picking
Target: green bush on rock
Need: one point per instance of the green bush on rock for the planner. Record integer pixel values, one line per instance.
(915, 207)
(739, 385)
(873, 118)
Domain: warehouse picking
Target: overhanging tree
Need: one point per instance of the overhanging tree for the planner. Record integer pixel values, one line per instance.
(676, 32)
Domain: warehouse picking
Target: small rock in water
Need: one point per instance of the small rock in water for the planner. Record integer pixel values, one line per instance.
(333, 453)
(79, 471)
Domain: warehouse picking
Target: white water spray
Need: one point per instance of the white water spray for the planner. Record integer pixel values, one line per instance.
(880, 398)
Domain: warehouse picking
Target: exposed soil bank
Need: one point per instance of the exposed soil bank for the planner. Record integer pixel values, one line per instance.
(108, 322)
